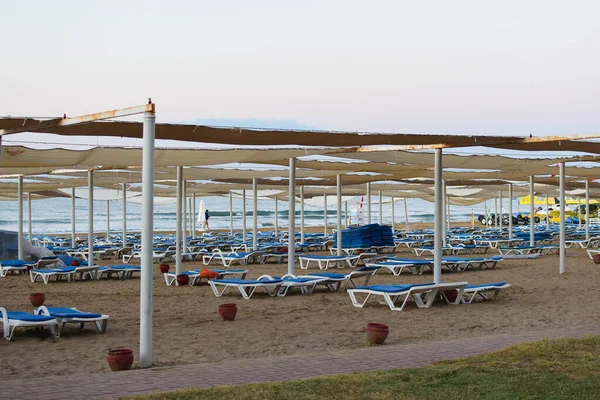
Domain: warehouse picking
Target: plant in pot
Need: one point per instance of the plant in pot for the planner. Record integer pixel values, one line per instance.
(183, 279)
(75, 263)
(164, 268)
(37, 299)
(451, 295)
(228, 311)
(377, 333)
(597, 258)
(120, 359)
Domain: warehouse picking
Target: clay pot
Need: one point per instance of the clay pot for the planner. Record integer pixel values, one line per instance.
(120, 359)
(377, 333)
(228, 311)
(597, 258)
(75, 263)
(183, 279)
(164, 268)
(451, 295)
(208, 273)
(37, 299)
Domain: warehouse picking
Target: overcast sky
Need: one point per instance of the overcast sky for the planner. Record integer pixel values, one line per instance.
(506, 67)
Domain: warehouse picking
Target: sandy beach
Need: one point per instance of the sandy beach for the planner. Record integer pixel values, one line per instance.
(187, 328)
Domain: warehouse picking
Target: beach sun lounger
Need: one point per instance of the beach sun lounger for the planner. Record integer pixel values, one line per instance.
(66, 315)
(246, 287)
(18, 319)
(397, 267)
(397, 296)
(488, 291)
(335, 281)
(12, 266)
(306, 284)
(325, 262)
(58, 273)
(227, 259)
(121, 271)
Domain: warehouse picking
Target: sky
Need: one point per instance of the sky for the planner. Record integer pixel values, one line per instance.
(460, 67)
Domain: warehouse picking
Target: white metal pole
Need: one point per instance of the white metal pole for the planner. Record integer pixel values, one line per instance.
(147, 241)
(325, 214)
(438, 224)
(276, 217)
(346, 214)
(587, 209)
(184, 217)
(500, 209)
(448, 211)
(510, 211)
(547, 212)
(108, 220)
(292, 217)
(124, 187)
(190, 219)
(339, 215)
(561, 167)
(244, 216)
(531, 212)
(73, 238)
(302, 214)
(20, 250)
(254, 216)
(485, 212)
(178, 220)
(393, 214)
(29, 216)
(91, 217)
(496, 212)
(368, 202)
(406, 216)
(230, 213)
(380, 209)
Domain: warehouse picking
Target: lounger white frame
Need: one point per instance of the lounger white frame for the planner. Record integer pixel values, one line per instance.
(9, 325)
(470, 294)
(46, 275)
(324, 263)
(100, 322)
(229, 258)
(4, 270)
(246, 289)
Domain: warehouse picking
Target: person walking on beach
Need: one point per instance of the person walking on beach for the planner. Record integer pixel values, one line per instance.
(206, 217)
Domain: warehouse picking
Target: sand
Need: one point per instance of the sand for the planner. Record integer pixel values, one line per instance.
(187, 328)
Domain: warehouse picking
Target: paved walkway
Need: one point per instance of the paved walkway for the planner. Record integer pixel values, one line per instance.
(113, 384)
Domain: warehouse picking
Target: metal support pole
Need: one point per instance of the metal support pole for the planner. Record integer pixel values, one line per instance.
(230, 213)
(147, 240)
(91, 217)
(448, 211)
(124, 188)
(510, 211)
(500, 210)
(108, 220)
(178, 220)
(292, 217)
(485, 212)
(193, 215)
(393, 215)
(325, 215)
(579, 212)
(276, 217)
(587, 209)
(368, 202)
(184, 217)
(531, 212)
(380, 209)
(547, 212)
(561, 168)
(302, 214)
(244, 216)
(20, 250)
(346, 214)
(406, 216)
(438, 224)
(339, 215)
(29, 216)
(254, 215)
(73, 237)
(495, 212)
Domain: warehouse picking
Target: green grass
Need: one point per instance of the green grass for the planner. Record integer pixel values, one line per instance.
(549, 369)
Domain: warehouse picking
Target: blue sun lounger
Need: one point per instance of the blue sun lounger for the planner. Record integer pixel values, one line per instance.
(121, 271)
(335, 281)
(489, 291)
(66, 315)
(12, 266)
(397, 266)
(19, 319)
(246, 287)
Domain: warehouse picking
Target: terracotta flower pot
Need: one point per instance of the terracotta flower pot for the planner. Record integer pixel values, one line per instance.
(377, 333)
(164, 268)
(37, 299)
(451, 295)
(75, 263)
(597, 258)
(183, 279)
(208, 273)
(120, 359)
(228, 311)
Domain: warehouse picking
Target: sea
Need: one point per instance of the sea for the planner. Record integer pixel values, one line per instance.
(53, 215)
